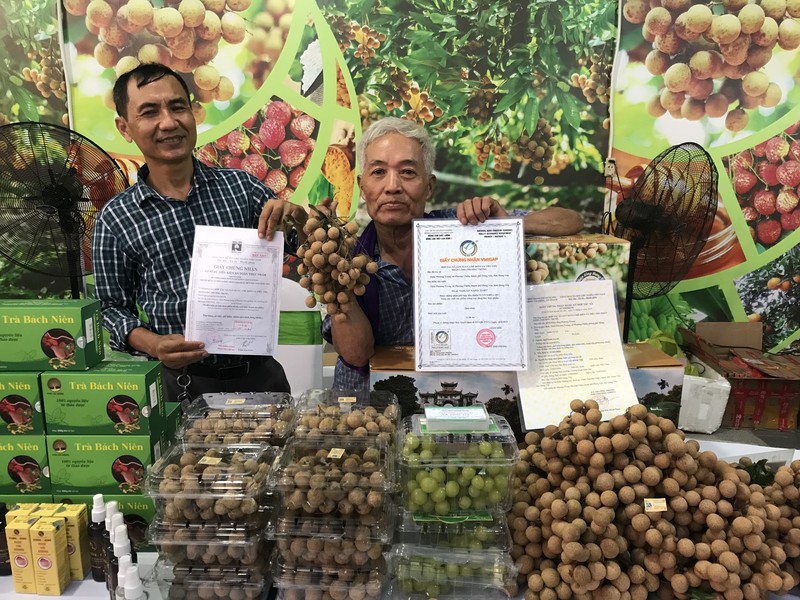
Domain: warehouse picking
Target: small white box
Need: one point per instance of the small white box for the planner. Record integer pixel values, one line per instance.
(456, 418)
(703, 400)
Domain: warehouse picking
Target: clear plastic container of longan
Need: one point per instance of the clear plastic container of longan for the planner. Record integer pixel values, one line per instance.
(417, 572)
(202, 482)
(189, 581)
(463, 534)
(335, 476)
(209, 542)
(456, 473)
(236, 418)
(357, 413)
(297, 581)
(375, 527)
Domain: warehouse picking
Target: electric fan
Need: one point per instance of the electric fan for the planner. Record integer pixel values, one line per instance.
(53, 182)
(667, 217)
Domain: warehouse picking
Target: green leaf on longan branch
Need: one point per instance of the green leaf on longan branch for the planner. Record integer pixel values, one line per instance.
(27, 104)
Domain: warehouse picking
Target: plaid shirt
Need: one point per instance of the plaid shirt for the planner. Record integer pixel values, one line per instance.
(142, 246)
(395, 310)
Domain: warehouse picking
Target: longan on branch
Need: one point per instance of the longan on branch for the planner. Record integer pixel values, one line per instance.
(329, 269)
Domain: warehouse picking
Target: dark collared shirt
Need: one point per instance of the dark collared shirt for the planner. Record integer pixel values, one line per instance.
(142, 246)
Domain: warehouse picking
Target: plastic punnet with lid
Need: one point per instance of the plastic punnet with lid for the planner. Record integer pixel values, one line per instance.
(186, 581)
(209, 543)
(455, 473)
(337, 476)
(487, 533)
(197, 482)
(417, 572)
(255, 417)
(299, 582)
(356, 413)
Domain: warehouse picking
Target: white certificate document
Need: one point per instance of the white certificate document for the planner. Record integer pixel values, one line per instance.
(469, 295)
(575, 351)
(234, 291)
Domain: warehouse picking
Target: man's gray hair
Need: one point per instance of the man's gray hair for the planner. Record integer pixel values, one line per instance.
(404, 127)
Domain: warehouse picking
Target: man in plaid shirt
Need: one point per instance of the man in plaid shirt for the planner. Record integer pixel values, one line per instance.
(143, 238)
(396, 181)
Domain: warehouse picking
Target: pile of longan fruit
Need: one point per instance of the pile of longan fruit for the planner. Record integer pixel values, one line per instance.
(622, 508)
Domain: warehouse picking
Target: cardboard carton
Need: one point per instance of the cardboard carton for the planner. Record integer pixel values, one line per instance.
(655, 375)
(50, 334)
(100, 463)
(24, 465)
(18, 535)
(49, 554)
(138, 512)
(20, 404)
(578, 258)
(765, 389)
(125, 398)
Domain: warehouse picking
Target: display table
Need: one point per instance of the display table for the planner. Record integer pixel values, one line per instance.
(88, 589)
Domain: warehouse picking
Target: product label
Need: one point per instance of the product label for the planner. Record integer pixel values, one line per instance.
(234, 401)
(153, 391)
(346, 399)
(336, 453)
(655, 504)
(209, 460)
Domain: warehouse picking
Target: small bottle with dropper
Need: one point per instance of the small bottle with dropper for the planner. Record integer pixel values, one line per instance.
(96, 543)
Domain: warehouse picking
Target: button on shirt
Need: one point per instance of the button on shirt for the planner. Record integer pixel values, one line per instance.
(142, 246)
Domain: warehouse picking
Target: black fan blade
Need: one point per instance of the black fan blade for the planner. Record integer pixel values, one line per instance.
(53, 182)
(668, 216)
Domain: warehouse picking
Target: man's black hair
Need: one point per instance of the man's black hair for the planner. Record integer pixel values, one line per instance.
(143, 74)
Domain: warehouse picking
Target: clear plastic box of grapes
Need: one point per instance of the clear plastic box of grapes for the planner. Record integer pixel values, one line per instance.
(418, 572)
(462, 534)
(457, 473)
(235, 418)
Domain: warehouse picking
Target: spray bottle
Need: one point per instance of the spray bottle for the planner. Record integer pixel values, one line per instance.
(124, 563)
(117, 519)
(112, 508)
(134, 590)
(96, 545)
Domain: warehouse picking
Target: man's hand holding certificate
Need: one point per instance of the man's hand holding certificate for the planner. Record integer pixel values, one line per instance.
(469, 292)
(234, 289)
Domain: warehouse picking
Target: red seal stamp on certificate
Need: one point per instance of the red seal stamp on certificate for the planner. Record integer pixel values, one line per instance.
(486, 338)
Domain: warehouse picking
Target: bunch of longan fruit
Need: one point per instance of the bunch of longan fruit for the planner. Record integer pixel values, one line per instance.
(711, 56)
(329, 270)
(184, 35)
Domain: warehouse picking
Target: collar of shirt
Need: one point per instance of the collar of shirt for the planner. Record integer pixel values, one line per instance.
(142, 190)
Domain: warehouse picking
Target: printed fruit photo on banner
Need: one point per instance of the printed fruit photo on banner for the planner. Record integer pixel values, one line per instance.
(707, 72)
(32, 84)
(514, 94)
(223, 49)
(771, 295)
(721, 249)
(274, 145)
(765, 179)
